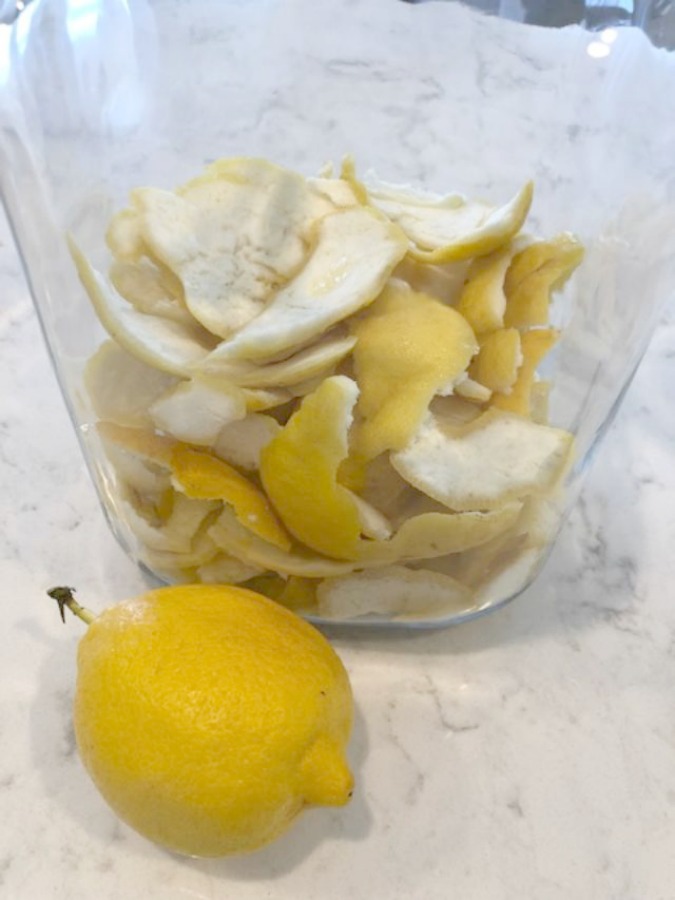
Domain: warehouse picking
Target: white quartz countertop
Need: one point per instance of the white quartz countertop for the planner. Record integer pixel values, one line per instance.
(529, 755)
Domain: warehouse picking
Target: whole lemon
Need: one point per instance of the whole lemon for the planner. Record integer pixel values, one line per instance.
(209, 716)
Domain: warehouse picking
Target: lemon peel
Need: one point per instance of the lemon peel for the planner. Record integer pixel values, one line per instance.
(482, 300)
(161, 343)
(225, 569)
(261, 399)
(534, 345)
(141, 442)
(433, 534)
(202, 551)
(498, 361)
(472, 390)
(196, 411)
(173, 535)
(122, 387)
(394, 591)
(240, 443)
(150, 290)
(534, 274)
(451, 228)
(354, 253)
(348, 175)
(409, 345)
(142, 475)
(318, 360)
(238, 541)
(302, 485)
(496, 458)
(234, 235)
(201, 475)
(124, 237)
(444, 282)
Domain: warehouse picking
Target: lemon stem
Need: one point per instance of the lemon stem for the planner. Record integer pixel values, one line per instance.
(64, 597)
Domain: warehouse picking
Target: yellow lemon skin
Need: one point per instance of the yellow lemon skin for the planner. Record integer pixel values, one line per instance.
(209, 716)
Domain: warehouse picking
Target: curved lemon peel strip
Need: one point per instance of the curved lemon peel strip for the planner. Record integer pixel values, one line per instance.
(534, 346)
(437, 534)
(201, 475)
(482, 300)
(392, 591)
(318, 360)
(498, 361)
(534, 274)
(452, 229)
(161, 343)
(298, 469)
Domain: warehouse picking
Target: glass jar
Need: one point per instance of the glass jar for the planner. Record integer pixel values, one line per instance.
(98, 97)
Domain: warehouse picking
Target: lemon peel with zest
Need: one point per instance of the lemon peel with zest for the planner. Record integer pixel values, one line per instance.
(534, 274)
(317, 360)
(451, 228)
(482, 301)
(433, 534)
(196, 411)
(534, 345)
(298, 469)
(498, 360)
(201, 475)
(238, 541)
(409, 345)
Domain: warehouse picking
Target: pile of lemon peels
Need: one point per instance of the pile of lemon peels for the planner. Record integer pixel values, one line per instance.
(326, 389)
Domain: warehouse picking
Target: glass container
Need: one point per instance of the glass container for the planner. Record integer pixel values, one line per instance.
(98, 97)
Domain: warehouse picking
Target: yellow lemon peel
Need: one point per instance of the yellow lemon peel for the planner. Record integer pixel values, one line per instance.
(298, 469)
(201, 475)
(482, 301)
(534, 346)
(437, 534)
(534, 274)
(451, 229)
(238, 541)
(498, 360)
(409, 345)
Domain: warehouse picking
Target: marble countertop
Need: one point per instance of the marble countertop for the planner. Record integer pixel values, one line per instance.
(526, 756)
